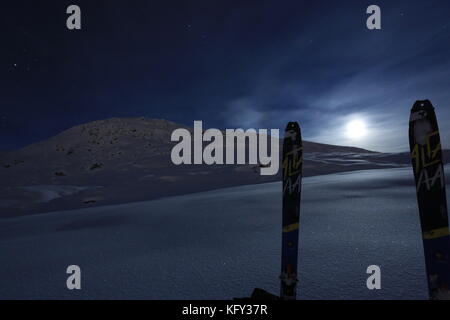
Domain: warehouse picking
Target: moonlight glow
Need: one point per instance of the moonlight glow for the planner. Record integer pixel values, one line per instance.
(356, 129)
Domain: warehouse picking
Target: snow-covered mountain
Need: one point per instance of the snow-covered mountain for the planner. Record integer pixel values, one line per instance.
(123, 160)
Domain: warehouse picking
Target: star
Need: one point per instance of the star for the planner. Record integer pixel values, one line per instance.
(15, 65)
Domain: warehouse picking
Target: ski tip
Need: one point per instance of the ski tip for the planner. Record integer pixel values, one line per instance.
(292, 126)
(422, 110)
(422, 105)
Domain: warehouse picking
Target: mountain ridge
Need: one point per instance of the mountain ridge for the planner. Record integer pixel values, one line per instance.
(121, 160)
(163, 123)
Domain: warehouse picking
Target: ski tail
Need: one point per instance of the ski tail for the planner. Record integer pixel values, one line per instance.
(426, 158)
(292, 178)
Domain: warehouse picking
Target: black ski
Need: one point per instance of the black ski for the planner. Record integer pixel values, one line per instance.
(292, 179)
(426, 156)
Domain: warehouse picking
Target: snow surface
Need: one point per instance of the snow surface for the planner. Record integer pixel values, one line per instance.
(47, 193)
(221, 244)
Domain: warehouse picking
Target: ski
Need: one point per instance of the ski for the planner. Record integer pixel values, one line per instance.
(292, 179)
(426, 158)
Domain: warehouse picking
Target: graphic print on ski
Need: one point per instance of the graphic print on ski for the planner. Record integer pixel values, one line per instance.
(426, 156)
(292, 180)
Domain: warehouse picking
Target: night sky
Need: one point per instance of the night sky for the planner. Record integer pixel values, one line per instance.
(229, 63)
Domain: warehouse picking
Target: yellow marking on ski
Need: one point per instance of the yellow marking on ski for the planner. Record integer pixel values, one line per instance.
(291, 227)
(292, 162)
(294, 151)
(421, 156)
(432, 153)
(436, 233)
(415, 156)
(435, 151)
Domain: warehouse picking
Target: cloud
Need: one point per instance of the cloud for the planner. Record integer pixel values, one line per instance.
(376, 77)
(243, 113)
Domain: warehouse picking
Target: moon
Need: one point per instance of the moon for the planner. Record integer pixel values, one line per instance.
(356, 129)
